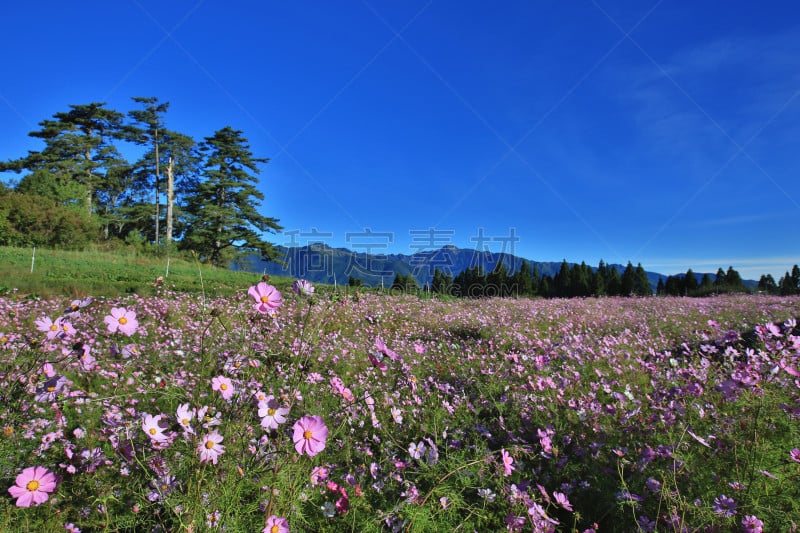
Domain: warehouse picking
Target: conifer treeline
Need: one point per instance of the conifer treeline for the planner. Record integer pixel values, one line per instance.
(580, 280)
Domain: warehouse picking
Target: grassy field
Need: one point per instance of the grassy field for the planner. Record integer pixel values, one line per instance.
(78, 274)
(250, 411)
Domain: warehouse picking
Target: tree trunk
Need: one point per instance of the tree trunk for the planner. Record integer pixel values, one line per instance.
(87, 156)
(170, 199)
(158, 190)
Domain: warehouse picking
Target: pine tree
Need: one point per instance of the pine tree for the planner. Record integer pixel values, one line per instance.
(706, 285)
(641, 283)
(442, 283)
(77, 153)
(674, 286)
(561, 283)
(690, 283)
(720, 280)
(614, 283)
(661, 289)
(734, 281)
(535, 281)
(222, 205)
(599, 279)
(767, 284)
(628, 280)
(521, 281)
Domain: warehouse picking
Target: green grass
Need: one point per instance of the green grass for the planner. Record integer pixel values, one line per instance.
(77, 274)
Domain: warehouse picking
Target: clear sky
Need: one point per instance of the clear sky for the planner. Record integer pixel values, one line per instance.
(661, 132)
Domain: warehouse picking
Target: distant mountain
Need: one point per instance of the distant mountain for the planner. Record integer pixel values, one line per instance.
(320, 263)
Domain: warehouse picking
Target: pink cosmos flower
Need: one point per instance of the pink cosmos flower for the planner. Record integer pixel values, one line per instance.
(302, 287)
(152, 427)
(54, 328)
(794, 453)
(185, 415)
(224, 385)
(377, 361)
(751, 524)
(33, 486)
(268, 298)
(562, 500)
(310, 433)
(382, 348)
(48, 370)
(508, 463)
(210, 447)
(276, 524)
(271, 414)
(76, 305)
(121, 320)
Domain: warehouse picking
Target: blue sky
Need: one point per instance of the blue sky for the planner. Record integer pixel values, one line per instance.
(658, 132)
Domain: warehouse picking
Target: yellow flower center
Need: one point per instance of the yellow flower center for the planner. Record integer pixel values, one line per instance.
(274, 529)
(264, 299)
(209, 444)
(223, 386)
(270, 411)
(32, 485)
(123, 320)
(53, 328)
(51, 388)
(184, 421)
(307, 434)
(8, 431)
(153, 431)
(3, 340)
(65, 327)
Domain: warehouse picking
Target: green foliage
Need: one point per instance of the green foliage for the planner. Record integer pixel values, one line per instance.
(31, 220)
(404, 283)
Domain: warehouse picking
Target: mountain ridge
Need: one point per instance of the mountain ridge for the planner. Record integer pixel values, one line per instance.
(320, 263)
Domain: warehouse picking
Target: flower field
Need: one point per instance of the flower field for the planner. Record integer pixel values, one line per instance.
(298, 412)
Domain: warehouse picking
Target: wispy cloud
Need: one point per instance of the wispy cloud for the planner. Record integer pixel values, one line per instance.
(748, 267)
(737, 220)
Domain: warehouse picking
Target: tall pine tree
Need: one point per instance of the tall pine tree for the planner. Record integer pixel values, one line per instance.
(222, 207)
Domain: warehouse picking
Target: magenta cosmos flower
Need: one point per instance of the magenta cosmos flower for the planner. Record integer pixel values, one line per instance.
(268, 298)
(121, 320)
(310, 433)
(210, 447)
(276, 524)
(33, 486)
(508, 463)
